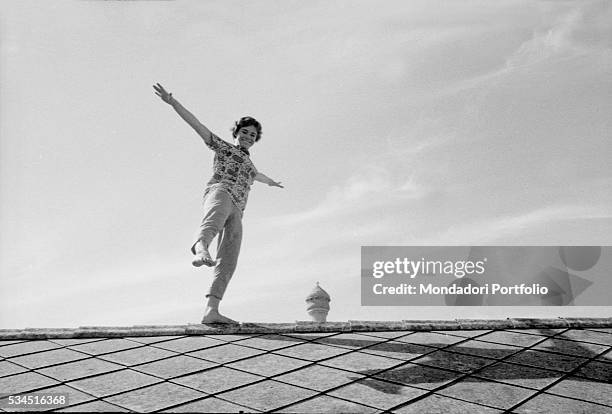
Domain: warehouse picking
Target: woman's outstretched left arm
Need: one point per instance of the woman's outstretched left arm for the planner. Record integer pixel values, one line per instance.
(262, 178)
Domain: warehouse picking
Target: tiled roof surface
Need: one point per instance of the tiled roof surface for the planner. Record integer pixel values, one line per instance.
(372, 367)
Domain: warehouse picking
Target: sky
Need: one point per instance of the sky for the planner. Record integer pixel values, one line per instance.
(389, 123)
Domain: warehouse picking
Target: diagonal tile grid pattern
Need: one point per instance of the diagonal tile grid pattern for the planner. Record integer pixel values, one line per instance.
(488, 371)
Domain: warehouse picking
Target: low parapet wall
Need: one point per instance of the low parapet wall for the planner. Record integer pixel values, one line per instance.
(300, 327)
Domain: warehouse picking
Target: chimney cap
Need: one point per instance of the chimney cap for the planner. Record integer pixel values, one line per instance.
(318, 293)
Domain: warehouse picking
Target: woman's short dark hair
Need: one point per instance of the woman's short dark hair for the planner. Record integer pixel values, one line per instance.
(246, 121)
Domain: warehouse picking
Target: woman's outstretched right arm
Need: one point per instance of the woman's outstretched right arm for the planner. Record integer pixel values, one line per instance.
(184, 113)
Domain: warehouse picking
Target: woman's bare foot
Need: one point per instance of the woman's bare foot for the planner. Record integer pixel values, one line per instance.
(213, 316)
(202, 257)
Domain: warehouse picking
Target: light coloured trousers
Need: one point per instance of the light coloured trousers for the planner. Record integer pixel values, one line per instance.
(222, 217)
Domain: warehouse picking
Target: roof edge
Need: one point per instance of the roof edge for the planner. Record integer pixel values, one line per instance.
(301, 327)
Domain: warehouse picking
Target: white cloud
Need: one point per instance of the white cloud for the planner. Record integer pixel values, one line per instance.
(411, 189)
(502, 228)
(410, 142)
(554, 42)
(373, 188)
(583, 31)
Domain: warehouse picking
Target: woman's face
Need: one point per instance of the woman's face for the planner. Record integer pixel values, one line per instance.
(246, 136)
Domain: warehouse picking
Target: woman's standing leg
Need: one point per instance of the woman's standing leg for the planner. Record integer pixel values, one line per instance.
(228, 251)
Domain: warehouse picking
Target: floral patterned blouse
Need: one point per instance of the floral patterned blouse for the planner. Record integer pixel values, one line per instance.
(233, 171)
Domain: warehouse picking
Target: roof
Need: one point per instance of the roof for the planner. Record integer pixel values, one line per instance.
(518, 365)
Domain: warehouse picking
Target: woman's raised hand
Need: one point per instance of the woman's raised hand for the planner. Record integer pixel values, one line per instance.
(162, 93)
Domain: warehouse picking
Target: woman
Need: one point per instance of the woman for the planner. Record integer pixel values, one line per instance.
(225, 199)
